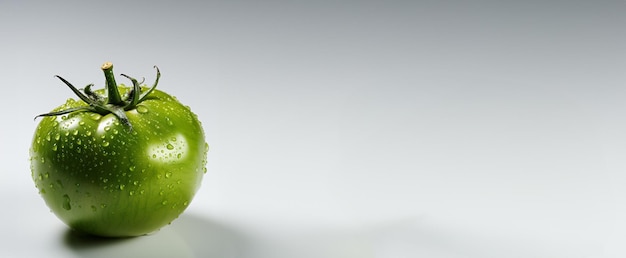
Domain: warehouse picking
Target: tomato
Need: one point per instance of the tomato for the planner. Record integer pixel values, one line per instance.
(124, 163)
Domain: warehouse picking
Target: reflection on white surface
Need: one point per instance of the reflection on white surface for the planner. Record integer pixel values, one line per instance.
(188, 236)
(164, 244)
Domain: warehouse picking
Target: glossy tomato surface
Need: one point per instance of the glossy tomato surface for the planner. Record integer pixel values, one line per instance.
(104, 177)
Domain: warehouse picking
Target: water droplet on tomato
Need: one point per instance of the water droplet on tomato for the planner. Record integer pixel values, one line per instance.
(122, 187)
(168, 174)
(107, 128)
(54, 147)
(57, 136)
(95, 116)
(105, 143)
(169, 146)
(66, 202)
(142, 109)
(131, 193)
(81, 123)
(164, 202)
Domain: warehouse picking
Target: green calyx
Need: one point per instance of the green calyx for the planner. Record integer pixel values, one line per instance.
(113, 103)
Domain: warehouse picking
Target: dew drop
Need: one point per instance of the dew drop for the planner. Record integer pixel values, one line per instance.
(142, 109)
(88, 133)
(164, 202)
(131, 193)
(66, 202)
(95, 116)
(105, 143)
(131, 168)
(57, 137)
(122, 187)
(169, 146)
(107, 128)
(82, 123)
(54, 147)
(168, 174)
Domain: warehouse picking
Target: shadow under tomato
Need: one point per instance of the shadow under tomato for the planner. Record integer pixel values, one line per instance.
(188, 236)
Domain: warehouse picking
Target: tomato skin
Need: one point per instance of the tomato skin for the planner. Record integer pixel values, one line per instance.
(102, 177)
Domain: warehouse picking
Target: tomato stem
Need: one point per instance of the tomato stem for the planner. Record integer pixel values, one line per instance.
(114, 97)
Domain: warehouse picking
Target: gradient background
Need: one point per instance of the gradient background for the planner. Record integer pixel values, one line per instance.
(347, 128)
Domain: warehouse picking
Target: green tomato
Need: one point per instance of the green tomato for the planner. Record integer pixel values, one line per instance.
(122, 165)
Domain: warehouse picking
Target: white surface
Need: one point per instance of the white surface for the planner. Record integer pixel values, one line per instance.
(355, 129)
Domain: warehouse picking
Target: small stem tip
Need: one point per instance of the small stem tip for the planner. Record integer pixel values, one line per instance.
(107, 66)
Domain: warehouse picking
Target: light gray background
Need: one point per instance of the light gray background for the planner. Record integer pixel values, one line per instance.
(347, 128)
